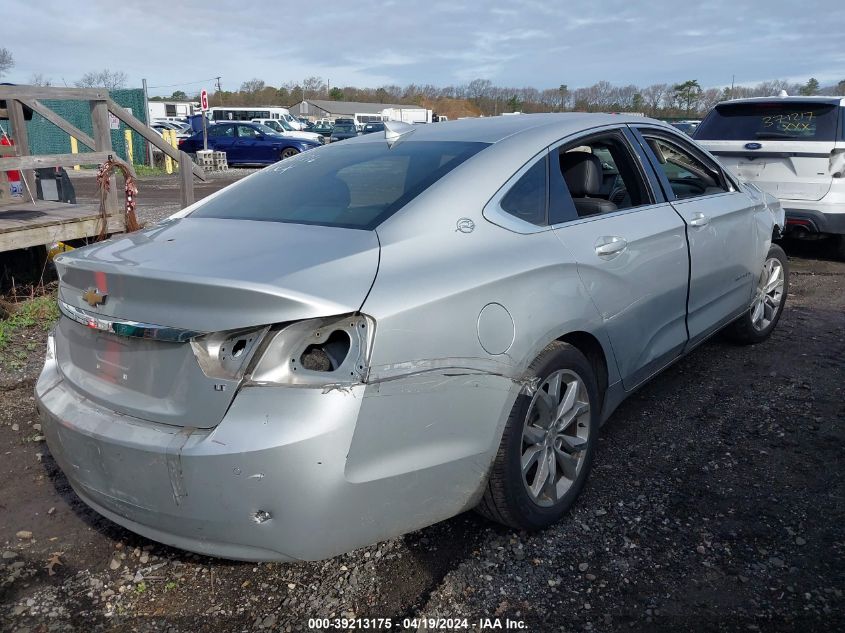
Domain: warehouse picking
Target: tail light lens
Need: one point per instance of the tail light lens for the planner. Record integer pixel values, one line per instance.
(226, 355)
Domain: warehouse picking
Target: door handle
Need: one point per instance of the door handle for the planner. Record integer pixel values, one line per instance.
(699, 219)
(610, 245)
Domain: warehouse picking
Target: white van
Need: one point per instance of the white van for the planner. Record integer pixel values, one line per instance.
(238, 113)
(791, 147)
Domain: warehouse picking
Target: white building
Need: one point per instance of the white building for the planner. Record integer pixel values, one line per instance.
(314, 109)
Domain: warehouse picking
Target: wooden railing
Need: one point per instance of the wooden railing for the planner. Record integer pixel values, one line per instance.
(16, 97)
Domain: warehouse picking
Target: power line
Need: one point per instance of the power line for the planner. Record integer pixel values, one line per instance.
(186, 83)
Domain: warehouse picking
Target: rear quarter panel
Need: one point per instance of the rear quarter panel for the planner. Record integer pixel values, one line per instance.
(436, 397)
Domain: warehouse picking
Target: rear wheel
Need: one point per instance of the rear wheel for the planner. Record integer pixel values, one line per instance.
(759, 322)
(288, 152)
(548, 443)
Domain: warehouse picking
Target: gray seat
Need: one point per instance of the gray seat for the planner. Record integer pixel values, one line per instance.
(583, 174)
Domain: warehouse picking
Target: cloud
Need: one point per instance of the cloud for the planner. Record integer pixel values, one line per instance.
(516, 43)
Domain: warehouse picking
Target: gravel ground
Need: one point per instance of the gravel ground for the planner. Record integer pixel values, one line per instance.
(715, 504)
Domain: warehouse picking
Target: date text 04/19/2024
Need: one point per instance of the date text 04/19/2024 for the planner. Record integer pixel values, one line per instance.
(413, 624)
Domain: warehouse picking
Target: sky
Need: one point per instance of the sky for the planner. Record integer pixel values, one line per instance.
(182, 45)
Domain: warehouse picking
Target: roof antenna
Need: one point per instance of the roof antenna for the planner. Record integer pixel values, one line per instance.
(783, 93)
(395, 130)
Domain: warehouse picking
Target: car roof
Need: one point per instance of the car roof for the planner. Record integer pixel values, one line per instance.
(494, 129)
(797, 99)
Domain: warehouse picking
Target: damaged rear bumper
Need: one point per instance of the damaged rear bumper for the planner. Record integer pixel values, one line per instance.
(259, 486)
(290, 473)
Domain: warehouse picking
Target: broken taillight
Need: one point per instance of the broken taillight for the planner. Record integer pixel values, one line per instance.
(316, 352)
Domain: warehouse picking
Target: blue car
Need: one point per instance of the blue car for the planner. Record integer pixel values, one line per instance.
(248, 143)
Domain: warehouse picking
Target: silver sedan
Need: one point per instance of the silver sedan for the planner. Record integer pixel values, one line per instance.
(379, 334)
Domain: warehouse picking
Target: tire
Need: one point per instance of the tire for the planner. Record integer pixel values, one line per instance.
(519, 499)
(758, 323)
(288, 152)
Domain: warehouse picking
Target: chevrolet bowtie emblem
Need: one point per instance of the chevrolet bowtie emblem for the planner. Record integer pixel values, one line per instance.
(93, 297)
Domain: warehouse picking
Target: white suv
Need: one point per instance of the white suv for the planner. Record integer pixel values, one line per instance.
(791, 147)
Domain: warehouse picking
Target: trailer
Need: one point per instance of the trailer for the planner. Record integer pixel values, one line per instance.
(410, 114)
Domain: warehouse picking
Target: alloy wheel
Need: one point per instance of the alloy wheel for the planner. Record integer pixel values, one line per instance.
(555, 436)
(769, 295)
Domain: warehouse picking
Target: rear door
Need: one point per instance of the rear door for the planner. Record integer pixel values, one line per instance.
(723, 248)
(784, 147)
(631, 252)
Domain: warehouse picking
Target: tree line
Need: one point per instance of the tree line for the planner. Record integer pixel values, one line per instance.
(483, 97)
(479, 96)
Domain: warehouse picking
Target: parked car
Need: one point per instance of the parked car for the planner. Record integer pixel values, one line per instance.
(167, 124)
(374, 126)
(160, 128)
(248, 143)
(687, 127)
(342, 131)
(791, 147)
(381, 334)
(323, 128)
(186, 131)
(280, 126)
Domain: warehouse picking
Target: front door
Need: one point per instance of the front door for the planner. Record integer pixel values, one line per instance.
(250, 146)
(720, 230)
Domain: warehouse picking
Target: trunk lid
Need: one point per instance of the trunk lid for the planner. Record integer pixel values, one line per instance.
(199, 275)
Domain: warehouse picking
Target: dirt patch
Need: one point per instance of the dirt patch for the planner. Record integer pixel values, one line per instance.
(23, 331)
(716, 504)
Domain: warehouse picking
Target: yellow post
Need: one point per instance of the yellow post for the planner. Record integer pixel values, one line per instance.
(168, 162)
(127, 135)
(74, 149)
(174, 142)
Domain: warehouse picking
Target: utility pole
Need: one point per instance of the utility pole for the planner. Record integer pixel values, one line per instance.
(150, 156)
(733, 78)
(219, 90)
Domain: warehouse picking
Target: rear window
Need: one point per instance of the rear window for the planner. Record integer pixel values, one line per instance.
(357, 186)
(751, 121)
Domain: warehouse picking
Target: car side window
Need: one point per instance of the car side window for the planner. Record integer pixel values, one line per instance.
(526, 199)
(245, 131)
(598, 175)
(222, 130)
(688, 175)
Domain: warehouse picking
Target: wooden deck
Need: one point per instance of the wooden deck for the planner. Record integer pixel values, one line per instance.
(24, 224)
